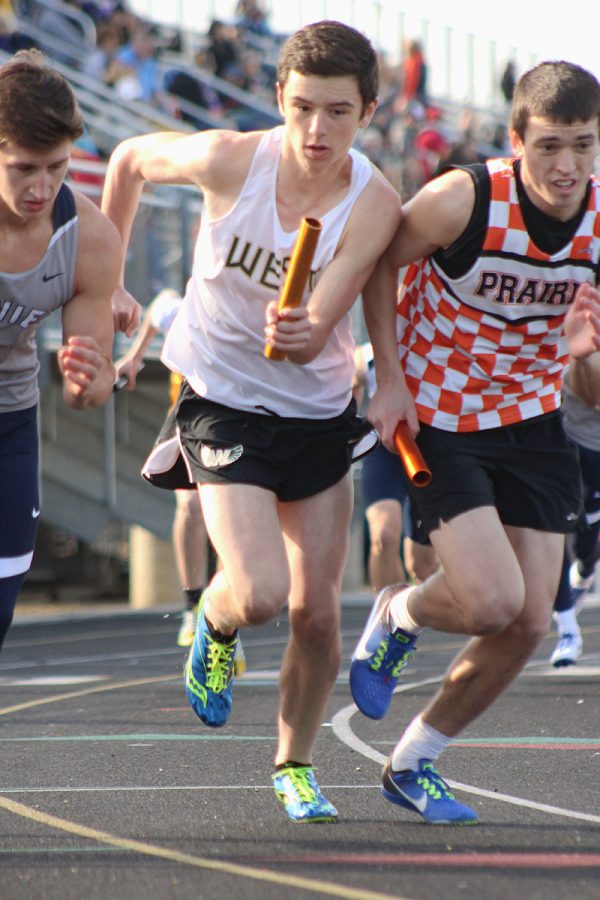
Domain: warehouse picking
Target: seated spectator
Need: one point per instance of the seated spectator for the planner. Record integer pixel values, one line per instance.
(222, 49)
(249, 16)
(101, 62)
(250, 76)
(140, 57)
(182, 84)
(125, 22)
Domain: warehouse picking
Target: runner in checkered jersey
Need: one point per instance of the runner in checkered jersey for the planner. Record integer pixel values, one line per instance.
(502, 284)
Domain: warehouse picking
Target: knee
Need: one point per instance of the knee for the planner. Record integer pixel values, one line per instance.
(317, 626)
(530, 628)
(385, 539)
(494, 608)
(261, 599)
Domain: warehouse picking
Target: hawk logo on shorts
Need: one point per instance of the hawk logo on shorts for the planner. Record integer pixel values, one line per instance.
(216, 458)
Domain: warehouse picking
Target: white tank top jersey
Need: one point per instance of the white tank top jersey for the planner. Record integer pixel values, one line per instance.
(217, 338)
(28, 297)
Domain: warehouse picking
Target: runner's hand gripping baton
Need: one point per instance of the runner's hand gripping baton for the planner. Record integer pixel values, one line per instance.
(297, 273)
(412, 459)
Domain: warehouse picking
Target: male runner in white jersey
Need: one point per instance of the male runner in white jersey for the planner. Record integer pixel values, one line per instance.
(269, 443)
(505, 258)
(57, 251)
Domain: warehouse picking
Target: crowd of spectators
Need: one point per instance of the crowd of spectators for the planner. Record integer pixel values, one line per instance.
(410, 137)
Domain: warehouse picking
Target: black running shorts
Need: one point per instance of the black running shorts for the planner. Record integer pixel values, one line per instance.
(293, 457)
(528, 471)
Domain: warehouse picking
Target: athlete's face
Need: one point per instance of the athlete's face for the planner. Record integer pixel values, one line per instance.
(557, 161)
(31, 179)
(321, 116)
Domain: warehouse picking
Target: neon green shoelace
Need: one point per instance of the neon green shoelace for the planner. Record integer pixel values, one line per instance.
(435, 786)
(300, 778)
(380, 655)
(401, 663)
(220, 661)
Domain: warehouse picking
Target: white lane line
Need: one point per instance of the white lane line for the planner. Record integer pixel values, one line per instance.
(91, 659)
(577, 671)
(93, 789)
(344, 733)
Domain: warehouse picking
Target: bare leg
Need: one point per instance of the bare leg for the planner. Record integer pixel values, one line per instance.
(384, 519)
(490, 662)
(189, 540)
(253, 582)
(475, 591)
(316, 532)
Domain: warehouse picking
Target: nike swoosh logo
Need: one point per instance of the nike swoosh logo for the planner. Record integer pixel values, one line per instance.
(50, 277)
(420, 803)
(35, 513)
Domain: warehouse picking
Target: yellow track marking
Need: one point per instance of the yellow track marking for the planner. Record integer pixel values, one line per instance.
(199, 862)
(98, 689)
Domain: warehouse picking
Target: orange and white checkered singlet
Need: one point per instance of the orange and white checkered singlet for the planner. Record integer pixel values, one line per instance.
(487, 349)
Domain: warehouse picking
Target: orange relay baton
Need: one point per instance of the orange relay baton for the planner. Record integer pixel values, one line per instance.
(297, 273)
(412, 458)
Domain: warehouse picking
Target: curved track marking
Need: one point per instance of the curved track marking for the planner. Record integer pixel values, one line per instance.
(199, 862)
(57, 698)
(344, 733)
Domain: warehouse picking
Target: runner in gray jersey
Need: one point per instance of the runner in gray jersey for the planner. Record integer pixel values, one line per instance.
(581, 420)
(57, 252)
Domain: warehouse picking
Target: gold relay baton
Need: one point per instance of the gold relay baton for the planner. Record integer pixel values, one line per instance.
(297, 274)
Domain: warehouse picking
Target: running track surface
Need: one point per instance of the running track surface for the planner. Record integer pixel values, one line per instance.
(111, 788)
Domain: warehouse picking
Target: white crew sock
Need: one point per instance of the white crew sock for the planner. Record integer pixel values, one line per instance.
(419, 741)
(398, 614)
(567, 622)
